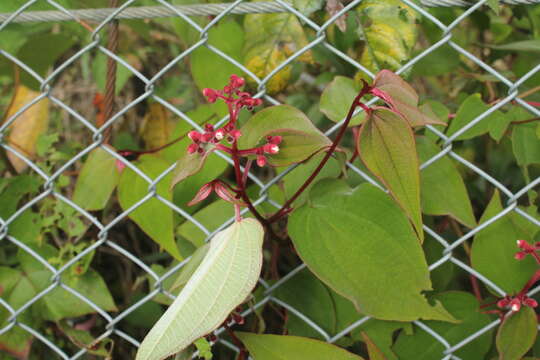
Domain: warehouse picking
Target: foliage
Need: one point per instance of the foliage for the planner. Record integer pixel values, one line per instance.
(404, 212)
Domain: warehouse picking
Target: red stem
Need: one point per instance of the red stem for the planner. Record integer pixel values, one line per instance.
(530, 283)
(356, 102)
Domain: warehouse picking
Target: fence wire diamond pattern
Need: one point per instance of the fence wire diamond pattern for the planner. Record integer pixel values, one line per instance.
(103, 240)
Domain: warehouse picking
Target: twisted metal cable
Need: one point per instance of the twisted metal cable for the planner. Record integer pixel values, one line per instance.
(147, 12)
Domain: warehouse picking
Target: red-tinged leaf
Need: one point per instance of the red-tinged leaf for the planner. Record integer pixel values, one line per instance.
(387, 147)
(202, 194)
(517, 334)
(404, 98)
(26, 129)
(188, 165)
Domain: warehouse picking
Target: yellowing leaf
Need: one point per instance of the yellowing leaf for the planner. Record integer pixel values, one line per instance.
(25, 130)
(270, 40)
(157, 126)
(222, 281)
(390, 33)
(517, 334)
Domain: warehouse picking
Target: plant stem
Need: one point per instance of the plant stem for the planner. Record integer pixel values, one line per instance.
(243, 351)
(356, 102)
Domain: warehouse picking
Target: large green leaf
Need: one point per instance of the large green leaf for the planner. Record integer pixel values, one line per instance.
(154, 217)
(464, 307)
(386, 146)
(389, 29)
(96, 181)
(337, 99)
(361, 244)
(278, 347)
(493, 248)
(270, 40)
(222, 281)
(517, 334)
(443, 189)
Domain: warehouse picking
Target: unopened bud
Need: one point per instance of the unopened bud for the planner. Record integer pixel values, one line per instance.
(271, 149)
(522, 244)
(261, 160)
(515, 304)
(192, 148)
(530, 302)
(194, 135)
(520, 255)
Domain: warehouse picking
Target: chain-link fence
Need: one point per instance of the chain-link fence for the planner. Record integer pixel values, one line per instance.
(128, 9)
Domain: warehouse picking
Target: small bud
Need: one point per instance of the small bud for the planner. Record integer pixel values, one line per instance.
(261, 160)
(192, 148)
(194, 136)
(220, 134)
(530, 302)
(274, 139)
(520, 255)
(202, 194)
(207, 137)
(227, 89)
(515, 304)
(503, 303)
(236, 134)
(210, 94)
(522, 244)
(271, 149)
(236, 81)
(209, 127)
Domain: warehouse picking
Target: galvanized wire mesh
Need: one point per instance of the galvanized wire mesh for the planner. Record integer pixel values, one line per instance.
(103, 240)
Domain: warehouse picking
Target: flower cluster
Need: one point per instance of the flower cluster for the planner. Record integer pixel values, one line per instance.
(211, 137)
(515, 303)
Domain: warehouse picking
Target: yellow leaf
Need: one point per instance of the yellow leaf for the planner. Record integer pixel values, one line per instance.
(270, 40)
(27, 127)
(157, 126)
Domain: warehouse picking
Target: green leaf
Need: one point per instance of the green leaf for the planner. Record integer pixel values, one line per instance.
(59, 303)
(279, 347)
(386, 146)
(83, 339)
(389, 29)
(296, 146)
(464, 307)
(374, 352)
(348, 239)
(307, 7)
(97, 180)
(50, 47)
(16, 188)
(443, 189)
(316, 303)
(525, 144)
(494, 5)
(470, 109)
(188, 165)
(189, 269)
(337, 98)
(524, 45)
(270, 40)
(301, 139)
(224, 279)
(154, 217)
(496, 244)
(517, 334)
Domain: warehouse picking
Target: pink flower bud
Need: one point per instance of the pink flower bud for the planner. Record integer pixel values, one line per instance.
(209, 127)
(194, 136)
(530, 302)
(192, 148)
(210, 94)
(503, 303)
(261, 160)
(220, 134)
(274, 139)
(522, 244)
(236, 81)
(202, 194)
(236, 134)
(515, 304)
(520, 255)
(271, 149)
(207, 137)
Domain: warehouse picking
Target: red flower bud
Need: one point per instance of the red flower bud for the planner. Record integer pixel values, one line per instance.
(530, 302)
(192, 148)
(515, 304)
(220, 134)
(503, 303)
(261, 160)
(194, 136)
(520, 255)
(210, 94)
(236, 81)
(202, 194)
(271, 148)
(522, 244)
